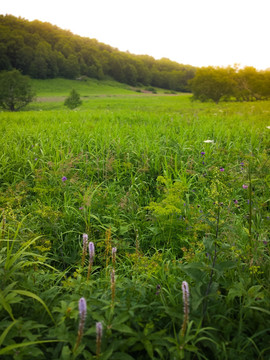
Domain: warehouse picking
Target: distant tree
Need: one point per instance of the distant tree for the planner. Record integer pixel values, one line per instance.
(252, 84)
(15, 90)
(213, 83)
(73, 100)
(72, 67)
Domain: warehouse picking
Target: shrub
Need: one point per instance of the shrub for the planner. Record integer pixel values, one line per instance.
(73, 100)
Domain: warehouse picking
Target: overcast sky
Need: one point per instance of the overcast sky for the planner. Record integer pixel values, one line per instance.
(194, 32)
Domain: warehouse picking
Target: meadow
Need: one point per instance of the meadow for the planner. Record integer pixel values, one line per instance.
(174, 198)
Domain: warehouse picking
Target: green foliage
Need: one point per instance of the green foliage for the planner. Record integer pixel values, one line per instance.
(215, 83)
(44, 51)
(15, 90)
(134, 172)
(73, 100)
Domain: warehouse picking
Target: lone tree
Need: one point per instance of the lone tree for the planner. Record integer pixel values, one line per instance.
(15, 90)
(73, 100)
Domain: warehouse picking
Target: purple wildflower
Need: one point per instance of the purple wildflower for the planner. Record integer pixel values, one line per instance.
(158, 289)
(99, 329)
(202, 153)
(244, 186)
(114, 250)
(235, 201)
(98, 339)
(82, 312)
(91, 248)
(185, 291)
(222, 169)
(64, 178)
(82, 307)
(81, 208)
(85, 243)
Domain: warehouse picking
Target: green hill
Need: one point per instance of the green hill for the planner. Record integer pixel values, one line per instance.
(44, 51)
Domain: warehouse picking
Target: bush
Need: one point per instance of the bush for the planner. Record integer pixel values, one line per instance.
(73, 100)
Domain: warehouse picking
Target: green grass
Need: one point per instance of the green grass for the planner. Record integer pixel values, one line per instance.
(135, 167)
(62, 87)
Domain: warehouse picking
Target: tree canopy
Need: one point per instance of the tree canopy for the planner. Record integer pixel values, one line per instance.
(44, 51)
(216, 83)
(15, 90)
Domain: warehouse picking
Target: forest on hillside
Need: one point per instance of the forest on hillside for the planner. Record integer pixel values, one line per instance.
(42, 50)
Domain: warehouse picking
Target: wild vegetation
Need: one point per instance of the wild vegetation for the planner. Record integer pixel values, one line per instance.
(135, 227)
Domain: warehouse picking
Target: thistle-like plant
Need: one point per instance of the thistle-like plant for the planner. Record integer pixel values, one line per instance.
(108, 247)
(91, 248)
(85, 243)
(114, 250)
(185, 290)
(82, 314)
(113, 285)
(98, 338)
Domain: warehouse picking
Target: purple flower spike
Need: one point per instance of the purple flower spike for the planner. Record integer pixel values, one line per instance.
(222, 169)
(82, 307)
(99, 329)
(244, 186)
(114, 250)
(91, 248)
(202, 153)
(64, 178)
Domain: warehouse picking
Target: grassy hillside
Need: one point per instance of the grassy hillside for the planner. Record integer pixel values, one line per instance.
(181, 189)
(62, 87)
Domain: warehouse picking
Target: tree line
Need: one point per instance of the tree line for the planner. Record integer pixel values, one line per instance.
(44, 51)
(231, 83)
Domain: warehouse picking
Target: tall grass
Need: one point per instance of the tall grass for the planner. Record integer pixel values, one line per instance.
(138, 168)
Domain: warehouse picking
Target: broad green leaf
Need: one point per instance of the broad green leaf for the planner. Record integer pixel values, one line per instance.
(124, 329)
(6, 305)
(8, 348)
(34, 296)
(5, 332)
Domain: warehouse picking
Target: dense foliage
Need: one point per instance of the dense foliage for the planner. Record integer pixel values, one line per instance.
(180, 189)
(43, 51)
(215, 83)
(15, 90)
(73, 100)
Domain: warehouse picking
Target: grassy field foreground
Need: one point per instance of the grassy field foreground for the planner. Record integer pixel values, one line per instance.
(168, 191)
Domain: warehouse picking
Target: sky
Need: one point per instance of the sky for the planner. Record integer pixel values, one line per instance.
(193, 32)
